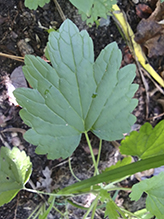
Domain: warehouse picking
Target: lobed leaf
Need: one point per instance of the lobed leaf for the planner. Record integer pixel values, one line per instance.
(154, 189)
(15, 171)
(83, 6)
(75, 95)
(146, 143)
(92, 9)
(33, 4)
(112, 210)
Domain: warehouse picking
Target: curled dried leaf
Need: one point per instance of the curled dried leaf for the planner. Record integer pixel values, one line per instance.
(150, 32)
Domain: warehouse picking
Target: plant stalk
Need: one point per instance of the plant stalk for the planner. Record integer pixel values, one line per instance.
(92, 154)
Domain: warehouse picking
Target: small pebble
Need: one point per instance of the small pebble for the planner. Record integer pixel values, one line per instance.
(24, 48)
(15, 141)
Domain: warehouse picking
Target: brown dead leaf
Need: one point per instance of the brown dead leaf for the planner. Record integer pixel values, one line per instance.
(143, 10)
(150, 32)
(16, 80)
(155, 46)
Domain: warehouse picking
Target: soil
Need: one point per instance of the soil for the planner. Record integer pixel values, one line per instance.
(19, 23)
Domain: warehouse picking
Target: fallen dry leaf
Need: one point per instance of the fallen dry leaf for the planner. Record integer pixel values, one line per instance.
(16, 80)
(46, 182)
(143, 10)
(150, 32)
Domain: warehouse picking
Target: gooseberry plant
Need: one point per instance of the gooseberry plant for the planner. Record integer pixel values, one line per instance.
(90, 10)
(75, 95)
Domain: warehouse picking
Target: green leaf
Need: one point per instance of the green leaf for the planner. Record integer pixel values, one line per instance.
(113, 175)
(154, 189)
(33, 4)
(15, 171)
(146, 143)
(61, 106)
(113, 102)
(111, 208)
(92, 9)
(120, 163)
(83, 6)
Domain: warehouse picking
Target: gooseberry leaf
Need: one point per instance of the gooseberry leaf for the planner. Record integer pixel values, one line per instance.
(92, 9)
(15, 171)
(112, 210)
(83, 6)
(146, 143)
(75, 94)
(155, 194)
(33, 4)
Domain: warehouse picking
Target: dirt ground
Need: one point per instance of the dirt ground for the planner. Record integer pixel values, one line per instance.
(18, 23)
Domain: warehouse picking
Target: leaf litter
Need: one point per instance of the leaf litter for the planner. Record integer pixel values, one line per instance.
(16, 80)
(150, 32)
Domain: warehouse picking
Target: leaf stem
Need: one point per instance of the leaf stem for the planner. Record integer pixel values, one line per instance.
(76, 205)
(94, 207)
(45, 193)
(56, 209)
(70, 167)
(91, 207)
(92, 154)
(99, 153)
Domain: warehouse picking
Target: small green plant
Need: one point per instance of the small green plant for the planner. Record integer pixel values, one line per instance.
(33, 4)
(90, 10)
(75, 95)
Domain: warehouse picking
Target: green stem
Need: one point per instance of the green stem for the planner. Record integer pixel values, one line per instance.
(99, 153)
(45, 193)
(70, 167)
(76, 205)
(36, 210)
(91, 207)
(129, 213)
(94, 207)
(56, 209)
(92, 154)
(118, 188)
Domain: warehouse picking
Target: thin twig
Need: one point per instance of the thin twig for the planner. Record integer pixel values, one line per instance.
(17, 58)
(14, 130)
(60, 10)
(4, 142)
(33, 187)
(15, 212)
(155, 117)
(146, 88)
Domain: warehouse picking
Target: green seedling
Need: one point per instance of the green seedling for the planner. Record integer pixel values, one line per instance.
(75, 95)
(33, 4)
(90, 10)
